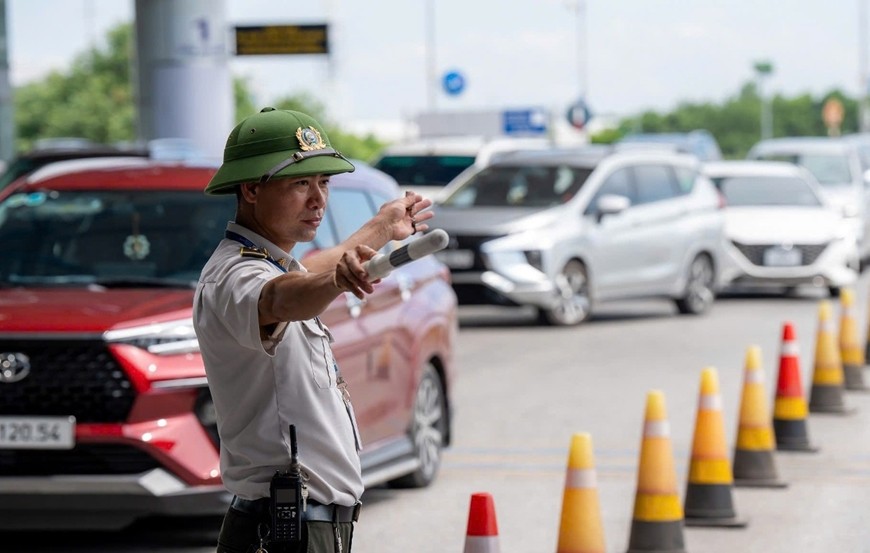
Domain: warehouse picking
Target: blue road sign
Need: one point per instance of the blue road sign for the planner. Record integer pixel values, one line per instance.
(454, 83)
(578, 114)
(524, 121)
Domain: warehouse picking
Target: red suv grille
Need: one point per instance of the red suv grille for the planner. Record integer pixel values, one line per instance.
(82, 459)
(79, 378)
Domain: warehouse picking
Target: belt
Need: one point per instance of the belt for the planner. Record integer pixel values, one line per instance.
(314, 511)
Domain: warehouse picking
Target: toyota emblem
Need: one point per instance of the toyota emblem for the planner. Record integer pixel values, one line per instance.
(13, 367)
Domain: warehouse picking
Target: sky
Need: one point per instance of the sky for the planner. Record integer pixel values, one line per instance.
(623, 56)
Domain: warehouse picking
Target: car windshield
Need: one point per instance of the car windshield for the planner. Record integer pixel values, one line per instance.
(829, 169)
(519, 186)
(423, 170)
(109, 237)
(766, 191)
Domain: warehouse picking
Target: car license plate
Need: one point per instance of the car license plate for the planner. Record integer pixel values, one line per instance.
(781, 257)
(456, 259)
(37, 432)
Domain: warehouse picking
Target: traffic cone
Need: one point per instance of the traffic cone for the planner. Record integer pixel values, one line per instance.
(580, 529)
(789, 406)
(754, 463)
(850, 349)
(482, 533)
(657, 522)
(708, 493)
(826, 394)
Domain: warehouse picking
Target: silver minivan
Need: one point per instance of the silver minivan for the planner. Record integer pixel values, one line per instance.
(562, 230)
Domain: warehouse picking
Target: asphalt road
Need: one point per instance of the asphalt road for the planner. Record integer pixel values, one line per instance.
(524, 390)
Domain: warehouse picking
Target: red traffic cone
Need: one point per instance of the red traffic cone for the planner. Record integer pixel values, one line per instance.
(482, 533)
(790, 407)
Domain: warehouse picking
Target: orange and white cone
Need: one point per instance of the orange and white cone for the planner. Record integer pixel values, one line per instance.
(482, 533)
(851, 351)
(790, 406)
(754, 463)
(657, 522)
(580, 529)
(708, 493)
(826, 394)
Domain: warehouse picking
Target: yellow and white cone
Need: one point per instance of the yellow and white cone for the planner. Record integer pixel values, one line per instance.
(851, 351)
(657, 523)
(580, 529)
(754, 463)
(708, 493)
(826, 394)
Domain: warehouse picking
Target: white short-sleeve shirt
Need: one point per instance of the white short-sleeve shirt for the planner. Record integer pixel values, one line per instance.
(262, 384)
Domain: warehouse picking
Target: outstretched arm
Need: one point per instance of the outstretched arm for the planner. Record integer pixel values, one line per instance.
(395, 220)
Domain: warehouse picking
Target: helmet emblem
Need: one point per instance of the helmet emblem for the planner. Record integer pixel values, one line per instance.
(309, 139)
(13, 367)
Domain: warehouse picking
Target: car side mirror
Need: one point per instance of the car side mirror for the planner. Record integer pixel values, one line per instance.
(611, 204)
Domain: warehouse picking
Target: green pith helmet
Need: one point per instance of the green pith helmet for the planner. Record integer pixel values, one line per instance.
(273, 144)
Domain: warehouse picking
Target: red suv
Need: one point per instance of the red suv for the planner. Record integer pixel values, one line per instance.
(105, 411)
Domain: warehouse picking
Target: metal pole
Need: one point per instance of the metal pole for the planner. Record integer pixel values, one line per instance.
(581, 47)
(763, 69)
(766, 118)
(431, 76)
(864, 83)
(7, 113)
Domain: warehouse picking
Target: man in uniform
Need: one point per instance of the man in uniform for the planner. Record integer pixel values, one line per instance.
(267, 355)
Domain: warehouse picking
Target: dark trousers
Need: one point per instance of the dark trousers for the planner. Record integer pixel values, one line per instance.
(239, 535)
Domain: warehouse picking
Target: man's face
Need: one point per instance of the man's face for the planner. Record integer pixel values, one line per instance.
(290, 209)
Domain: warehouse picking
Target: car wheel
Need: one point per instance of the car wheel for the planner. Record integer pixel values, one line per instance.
(428, 430)
(573, 301)
(699, 294)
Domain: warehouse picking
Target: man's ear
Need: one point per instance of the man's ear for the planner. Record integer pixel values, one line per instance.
(248, 190)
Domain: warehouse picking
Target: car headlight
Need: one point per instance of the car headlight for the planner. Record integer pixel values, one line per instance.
(515, 266)
(170, 338)
(500, 260)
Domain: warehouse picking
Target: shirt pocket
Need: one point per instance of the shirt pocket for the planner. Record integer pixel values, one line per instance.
(321, 362)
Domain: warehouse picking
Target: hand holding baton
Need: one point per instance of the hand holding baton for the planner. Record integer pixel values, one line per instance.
(382, 265)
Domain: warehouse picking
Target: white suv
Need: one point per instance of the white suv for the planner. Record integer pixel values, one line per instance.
(562, 230)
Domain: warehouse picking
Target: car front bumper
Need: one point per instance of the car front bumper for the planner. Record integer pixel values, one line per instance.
(102, 502)
(490, 287)
(836, 266)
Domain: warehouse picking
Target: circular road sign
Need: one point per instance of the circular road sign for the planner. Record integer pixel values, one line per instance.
(454, 83)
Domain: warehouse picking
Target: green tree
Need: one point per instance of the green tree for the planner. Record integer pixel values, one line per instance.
(736, 123)
(93, 98)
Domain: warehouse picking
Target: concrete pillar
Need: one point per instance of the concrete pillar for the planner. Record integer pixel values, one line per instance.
(7, 113)
(184, 88)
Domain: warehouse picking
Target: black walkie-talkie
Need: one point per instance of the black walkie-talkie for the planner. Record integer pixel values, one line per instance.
(285, 492)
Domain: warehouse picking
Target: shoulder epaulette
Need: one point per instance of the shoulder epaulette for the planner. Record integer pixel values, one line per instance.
(257, 253)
